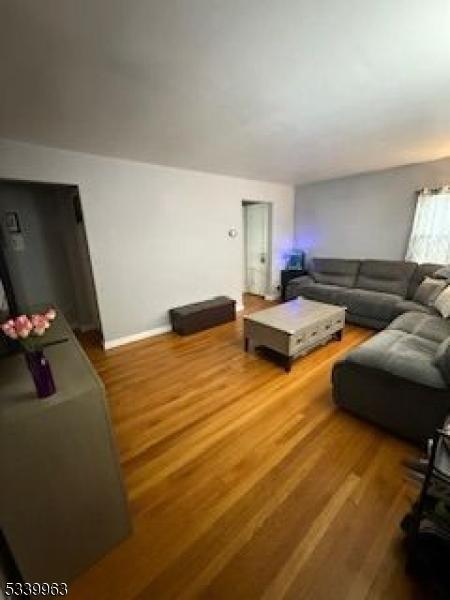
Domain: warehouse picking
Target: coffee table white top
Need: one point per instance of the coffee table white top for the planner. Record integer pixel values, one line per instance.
(295, 314)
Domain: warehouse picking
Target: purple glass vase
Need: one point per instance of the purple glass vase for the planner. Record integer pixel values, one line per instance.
(41, 373)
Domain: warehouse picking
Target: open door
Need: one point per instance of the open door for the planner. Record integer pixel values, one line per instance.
(256, 250)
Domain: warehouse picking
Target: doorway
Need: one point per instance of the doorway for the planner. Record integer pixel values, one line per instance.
(257, 217)
(44, 255)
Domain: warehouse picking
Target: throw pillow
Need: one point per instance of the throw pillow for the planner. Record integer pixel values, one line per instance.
(443, 273)
(442, 359)
(442, 303)
(429, 290)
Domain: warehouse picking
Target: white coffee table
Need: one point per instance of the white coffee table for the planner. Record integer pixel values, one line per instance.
(293, 328)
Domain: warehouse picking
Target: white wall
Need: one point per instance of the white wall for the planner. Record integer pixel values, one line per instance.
(158, 236)
(364, 216)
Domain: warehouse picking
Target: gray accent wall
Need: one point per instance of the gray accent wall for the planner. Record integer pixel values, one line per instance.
(363, 216)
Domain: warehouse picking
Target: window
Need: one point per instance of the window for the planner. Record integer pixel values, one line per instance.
(430, 235)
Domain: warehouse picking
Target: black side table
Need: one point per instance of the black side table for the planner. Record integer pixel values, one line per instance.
(286, 276)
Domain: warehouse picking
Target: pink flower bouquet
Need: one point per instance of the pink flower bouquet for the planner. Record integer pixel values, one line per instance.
(27, 329)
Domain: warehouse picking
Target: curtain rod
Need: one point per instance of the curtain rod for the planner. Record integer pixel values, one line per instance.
(445, 189)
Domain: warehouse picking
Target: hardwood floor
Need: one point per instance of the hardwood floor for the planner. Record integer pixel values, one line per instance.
(244, 481)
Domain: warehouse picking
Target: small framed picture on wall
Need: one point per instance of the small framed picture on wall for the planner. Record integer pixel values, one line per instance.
(12, 222)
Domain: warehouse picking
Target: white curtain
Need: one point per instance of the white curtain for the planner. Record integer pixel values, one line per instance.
(430, 235)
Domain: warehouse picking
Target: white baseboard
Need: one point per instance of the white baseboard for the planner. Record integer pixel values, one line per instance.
(142, 335)
(136, 337)
(271, 297)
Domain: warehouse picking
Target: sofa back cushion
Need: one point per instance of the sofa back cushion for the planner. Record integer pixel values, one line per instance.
(430, 327)
(335, 271)
(390, 276)
(422, 271)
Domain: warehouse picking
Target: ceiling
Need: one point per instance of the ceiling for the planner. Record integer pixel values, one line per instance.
(281, 90)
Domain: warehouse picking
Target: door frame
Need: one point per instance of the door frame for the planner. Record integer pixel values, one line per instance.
(78, 209)
(5, 279)
(268, 285)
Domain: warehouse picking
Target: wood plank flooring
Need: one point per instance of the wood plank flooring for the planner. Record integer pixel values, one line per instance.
(244, 481)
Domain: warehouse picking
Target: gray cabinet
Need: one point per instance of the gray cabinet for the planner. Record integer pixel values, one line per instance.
(62, 503)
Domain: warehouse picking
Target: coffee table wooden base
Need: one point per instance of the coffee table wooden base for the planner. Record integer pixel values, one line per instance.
(285, 361)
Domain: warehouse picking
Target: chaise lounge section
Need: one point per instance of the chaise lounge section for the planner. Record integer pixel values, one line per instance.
(393, 379)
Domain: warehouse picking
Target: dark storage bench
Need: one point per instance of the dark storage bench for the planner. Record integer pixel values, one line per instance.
(202, 315)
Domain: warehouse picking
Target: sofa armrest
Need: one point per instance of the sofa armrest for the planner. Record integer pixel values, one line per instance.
(302, 280)
(406, 408)
(295, 286)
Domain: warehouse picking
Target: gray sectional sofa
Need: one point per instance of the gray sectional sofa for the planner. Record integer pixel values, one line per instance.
(393, 379)
(374, 291)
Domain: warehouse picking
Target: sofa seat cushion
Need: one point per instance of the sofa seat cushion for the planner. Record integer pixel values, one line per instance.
(430, 327)
(405, 306)
(335, 271)
(322, 292)
(376, 305)
(401, 354)
(389, 276)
